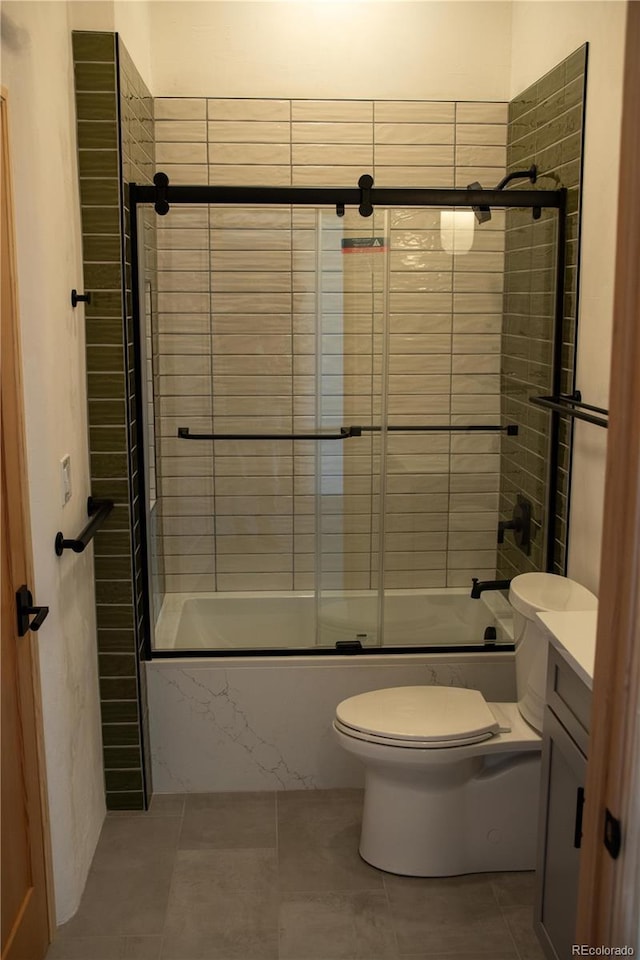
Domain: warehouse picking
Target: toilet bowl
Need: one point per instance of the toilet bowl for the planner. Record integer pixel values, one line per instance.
(451, 781)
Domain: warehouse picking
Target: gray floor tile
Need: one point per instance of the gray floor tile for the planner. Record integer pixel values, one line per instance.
(499, 955)
(229, 820)
(226, 869)
(130, 903)
(136, 842)
(166, 805)
(106, 948)
(454, 915)
(520, 922)
(207, 885)
(128, 884)
(223, 906)
(335, 926)
(323, 856)
(514, 889)
(319, 804)
(471, 889)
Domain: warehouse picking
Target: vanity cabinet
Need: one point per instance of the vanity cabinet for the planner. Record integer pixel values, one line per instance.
(564, 764)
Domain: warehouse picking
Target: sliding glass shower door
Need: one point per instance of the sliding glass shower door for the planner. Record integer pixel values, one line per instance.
(330, 404)
(350, 395)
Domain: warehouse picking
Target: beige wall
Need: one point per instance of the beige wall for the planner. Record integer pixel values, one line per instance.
(130, 18)
(384, 50)
(535, 49)
(37, 72)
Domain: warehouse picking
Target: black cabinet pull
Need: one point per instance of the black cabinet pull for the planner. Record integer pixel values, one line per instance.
(577, 833)
(25, 608)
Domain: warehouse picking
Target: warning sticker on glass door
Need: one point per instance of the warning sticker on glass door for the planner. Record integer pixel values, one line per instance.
(364, 245)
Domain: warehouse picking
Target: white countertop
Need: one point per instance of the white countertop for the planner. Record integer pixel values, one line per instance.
(573, 634)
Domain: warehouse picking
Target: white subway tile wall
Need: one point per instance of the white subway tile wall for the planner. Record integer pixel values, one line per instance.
(237, 302)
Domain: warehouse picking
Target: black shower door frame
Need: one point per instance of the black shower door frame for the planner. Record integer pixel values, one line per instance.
(365, 197)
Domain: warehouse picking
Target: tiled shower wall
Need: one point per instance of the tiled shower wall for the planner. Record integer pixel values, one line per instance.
(545, 127)
(115, 145)
(237, 315)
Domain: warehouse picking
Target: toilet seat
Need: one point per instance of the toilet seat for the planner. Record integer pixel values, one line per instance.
(425, 717)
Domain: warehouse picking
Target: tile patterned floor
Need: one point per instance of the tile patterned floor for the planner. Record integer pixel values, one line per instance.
(267, 876)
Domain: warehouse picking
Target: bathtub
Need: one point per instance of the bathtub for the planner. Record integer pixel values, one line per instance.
(233, 721)
(282, 621)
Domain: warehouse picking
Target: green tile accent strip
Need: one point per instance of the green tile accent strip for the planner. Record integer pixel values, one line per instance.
(94, 47)
(131, 800)
(545, 128)
(108, 87)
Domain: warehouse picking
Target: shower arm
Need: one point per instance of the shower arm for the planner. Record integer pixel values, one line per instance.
(531, 174)
(184, 433)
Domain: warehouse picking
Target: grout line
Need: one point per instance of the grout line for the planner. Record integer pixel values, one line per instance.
(391, 913)
(278, 884)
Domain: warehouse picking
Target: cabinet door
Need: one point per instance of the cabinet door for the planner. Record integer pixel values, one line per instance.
(558, 893)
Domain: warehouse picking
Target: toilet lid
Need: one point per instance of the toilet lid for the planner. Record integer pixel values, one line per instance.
(428, 714)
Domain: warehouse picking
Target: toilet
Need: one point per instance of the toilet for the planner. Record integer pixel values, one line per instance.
(451, 781)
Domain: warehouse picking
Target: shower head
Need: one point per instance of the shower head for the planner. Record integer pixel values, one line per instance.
(483, 214)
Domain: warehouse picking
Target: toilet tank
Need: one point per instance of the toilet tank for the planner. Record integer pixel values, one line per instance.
(532, 593)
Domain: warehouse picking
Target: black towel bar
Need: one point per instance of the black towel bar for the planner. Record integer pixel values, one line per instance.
(572, 406)
(353, 431)
(98, 510)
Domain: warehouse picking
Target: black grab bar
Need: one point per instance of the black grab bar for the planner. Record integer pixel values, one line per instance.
(98, 510)
(353, 431)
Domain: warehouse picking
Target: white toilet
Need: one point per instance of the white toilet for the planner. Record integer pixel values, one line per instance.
(451, 781)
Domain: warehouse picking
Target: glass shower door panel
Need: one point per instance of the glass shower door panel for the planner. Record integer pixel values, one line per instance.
(182, 382)
(349, 392)
(441, 510)
(256, 289)
(530, 272)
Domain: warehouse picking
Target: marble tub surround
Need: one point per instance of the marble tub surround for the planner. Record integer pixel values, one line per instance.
(259, 724)
(277, 876)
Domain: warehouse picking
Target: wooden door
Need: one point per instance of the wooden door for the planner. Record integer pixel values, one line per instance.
(609, 898)
(24, 879)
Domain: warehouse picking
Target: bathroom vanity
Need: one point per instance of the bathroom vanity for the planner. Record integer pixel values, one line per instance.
(564, 763)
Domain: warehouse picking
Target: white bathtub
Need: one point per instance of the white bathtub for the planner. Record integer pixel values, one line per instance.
(232, 722)
(281, 621)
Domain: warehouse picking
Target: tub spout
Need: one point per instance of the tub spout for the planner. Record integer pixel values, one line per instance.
(480, 585)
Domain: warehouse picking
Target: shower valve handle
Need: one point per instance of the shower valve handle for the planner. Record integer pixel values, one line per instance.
(520, 523)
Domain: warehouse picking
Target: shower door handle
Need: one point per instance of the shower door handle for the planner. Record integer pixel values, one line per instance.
(345, 432)
(355, 430)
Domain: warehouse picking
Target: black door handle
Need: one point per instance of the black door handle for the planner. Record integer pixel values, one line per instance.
(577, 831)
(25, 608)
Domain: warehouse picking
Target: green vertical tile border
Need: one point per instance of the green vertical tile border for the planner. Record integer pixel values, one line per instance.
(106, 84)
(136, 103)
(546, 125)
